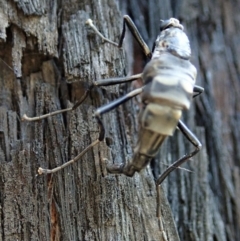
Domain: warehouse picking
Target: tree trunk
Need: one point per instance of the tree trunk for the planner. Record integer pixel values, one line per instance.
(205, 203)
(47, 46)
(48, 59)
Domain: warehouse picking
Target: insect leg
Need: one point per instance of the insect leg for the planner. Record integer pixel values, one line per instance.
(194, 140)
(112, 105)
(103, 82)
(26, 118)
(115, 81)
(133, 29)
(100, 138)
(197, 89)
(99, 111)
(47, 171)
(75, 159)
(112, 81)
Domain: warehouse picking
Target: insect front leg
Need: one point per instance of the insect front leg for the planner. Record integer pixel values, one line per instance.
(127, 21)
(105, 82)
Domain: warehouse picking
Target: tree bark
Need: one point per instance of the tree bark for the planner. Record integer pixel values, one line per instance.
(205, 203)
(48, 59)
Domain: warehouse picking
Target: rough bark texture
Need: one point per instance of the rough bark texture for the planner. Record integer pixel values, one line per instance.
(47, 61)
(205, 203)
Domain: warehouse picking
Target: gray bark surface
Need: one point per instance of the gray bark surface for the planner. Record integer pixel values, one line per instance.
(205, 203)
(43, 48)
(48, 58)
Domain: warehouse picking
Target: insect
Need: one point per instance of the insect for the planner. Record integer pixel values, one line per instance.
(169, 86)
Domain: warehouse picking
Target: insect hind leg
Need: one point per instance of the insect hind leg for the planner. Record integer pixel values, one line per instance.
(194, 140)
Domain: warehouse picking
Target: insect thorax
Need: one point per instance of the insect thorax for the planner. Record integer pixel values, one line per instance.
(169, 81)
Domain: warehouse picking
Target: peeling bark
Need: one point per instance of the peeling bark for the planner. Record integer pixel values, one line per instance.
(48, 58)
(81, 202)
